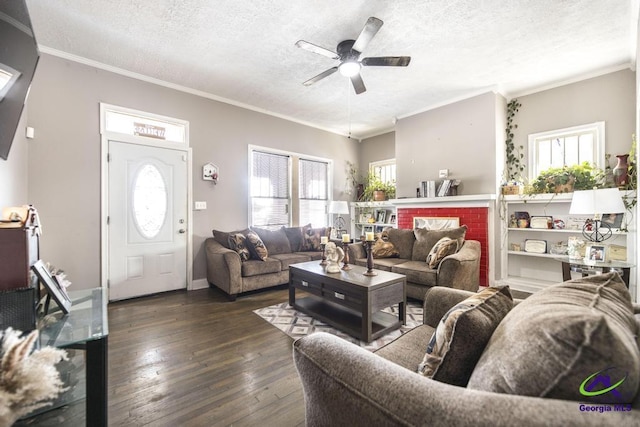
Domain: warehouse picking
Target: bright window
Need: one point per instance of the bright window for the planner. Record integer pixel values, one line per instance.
(270, 195)
(566, 147)
(287, 189)
(149, 201)
(384, 169)
(313, 189)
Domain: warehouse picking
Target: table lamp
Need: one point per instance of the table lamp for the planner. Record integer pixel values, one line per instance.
(597, 202)
(339, 207)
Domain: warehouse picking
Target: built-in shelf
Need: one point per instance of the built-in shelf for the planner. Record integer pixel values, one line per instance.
(533, 254)
(554, 230)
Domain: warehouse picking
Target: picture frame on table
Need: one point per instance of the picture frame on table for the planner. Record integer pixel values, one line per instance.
(613, 220)
(53, 289)
(596, 253)
(381, 215)
(392, 219)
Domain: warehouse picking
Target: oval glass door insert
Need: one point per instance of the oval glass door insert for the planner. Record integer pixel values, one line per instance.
(149, 201)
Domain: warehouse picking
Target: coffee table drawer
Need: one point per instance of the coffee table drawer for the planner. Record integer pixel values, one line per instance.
(312, 288)
(342, 296)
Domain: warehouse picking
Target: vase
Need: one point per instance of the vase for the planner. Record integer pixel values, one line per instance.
(621, 171)
(379, 195)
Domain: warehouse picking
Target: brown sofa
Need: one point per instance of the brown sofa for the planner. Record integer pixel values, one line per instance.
(285, 246)
(460, 270)
(529, 372)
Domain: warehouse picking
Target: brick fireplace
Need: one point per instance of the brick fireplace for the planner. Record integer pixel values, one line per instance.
(476, 215)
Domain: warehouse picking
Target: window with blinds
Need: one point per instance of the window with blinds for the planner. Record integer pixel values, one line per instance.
(313, 190)
(270, 193)
(287, 189)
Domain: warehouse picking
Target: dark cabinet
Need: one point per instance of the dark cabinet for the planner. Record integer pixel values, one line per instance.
(19, 250)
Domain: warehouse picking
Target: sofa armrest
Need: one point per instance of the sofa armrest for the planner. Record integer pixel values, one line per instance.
(462, 269)
(344, 384)
(356, 251)
(223, 267)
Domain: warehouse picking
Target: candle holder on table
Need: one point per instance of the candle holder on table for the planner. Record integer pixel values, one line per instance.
(345, 248)
(367, 247)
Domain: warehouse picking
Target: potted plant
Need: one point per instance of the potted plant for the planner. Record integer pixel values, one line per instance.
(378, 190)
(566, 179)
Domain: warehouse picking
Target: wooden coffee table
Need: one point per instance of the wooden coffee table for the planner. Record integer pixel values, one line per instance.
(348, 300)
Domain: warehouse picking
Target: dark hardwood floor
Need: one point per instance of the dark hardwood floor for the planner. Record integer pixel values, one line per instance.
(196, 359)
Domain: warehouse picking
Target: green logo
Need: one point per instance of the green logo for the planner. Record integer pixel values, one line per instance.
(589, 388)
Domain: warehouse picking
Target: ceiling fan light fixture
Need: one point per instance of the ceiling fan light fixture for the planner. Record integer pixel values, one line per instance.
(349, 68)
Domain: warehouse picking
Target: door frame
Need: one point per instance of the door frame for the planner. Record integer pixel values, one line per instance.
(105, 137)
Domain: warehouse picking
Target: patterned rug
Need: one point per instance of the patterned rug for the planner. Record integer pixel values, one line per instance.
(297, 324)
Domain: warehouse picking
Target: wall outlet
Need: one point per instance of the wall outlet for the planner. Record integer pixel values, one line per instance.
(200, 206)
(443, 173)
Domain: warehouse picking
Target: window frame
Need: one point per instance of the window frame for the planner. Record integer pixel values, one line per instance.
(598, 128)
(383, 164)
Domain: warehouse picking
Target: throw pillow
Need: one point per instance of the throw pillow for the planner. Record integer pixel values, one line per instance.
(443, 248)
(312, 237)
(275, 241)
(237, 242)
(564, 341)
(222, 237)
(426, 239)
(383, 248)
(256, 246)
(462, 334)
(294, 234)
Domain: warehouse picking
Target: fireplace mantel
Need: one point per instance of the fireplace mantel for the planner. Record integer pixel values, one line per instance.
(466, 201)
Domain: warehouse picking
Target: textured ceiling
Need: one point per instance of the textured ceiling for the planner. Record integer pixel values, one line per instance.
(244, 51)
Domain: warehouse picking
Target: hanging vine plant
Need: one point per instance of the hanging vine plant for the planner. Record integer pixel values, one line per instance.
(514, 152)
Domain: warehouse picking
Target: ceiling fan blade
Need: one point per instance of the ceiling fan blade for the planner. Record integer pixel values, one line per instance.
(320, 76)
(358, 84)
(370, 29)
(389, 61)
(316, 49)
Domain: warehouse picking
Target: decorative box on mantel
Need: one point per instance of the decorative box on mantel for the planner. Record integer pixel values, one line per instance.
(474, 211)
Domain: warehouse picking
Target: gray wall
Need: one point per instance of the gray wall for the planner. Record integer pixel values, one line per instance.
(13, 171)
(460, 137)
(610, 98)
(64, 159)
(376, 148)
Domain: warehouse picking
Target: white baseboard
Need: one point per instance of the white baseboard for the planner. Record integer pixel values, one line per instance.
(199, 284)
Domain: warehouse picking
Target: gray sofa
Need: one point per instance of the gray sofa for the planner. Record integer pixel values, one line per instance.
(345, 385)
(285, 246)
(460, 270)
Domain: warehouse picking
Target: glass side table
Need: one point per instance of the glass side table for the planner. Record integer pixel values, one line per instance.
(585, 267)
(85, 327)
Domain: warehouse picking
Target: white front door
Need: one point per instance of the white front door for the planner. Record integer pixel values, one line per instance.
(147, 224)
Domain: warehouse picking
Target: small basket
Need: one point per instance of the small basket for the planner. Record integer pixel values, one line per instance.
(511, 190)
(18, 309)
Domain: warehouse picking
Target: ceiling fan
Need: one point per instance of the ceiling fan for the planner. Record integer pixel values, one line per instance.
(348, 53)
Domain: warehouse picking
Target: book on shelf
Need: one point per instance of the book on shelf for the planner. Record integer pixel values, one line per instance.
(443, 190)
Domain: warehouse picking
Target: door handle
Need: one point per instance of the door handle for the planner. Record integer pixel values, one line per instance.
(182, 231)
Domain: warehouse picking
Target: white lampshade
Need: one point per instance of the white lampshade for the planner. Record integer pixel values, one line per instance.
(596, 202)
(338, 207)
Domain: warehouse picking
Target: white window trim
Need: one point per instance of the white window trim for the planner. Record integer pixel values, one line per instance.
(599, 144)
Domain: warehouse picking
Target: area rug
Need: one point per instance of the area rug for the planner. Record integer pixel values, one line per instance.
(297, 324)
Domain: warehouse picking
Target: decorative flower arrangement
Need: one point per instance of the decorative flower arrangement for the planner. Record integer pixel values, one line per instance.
(28, 381)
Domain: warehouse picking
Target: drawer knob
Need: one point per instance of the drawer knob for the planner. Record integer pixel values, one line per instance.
(338, 295)
(305, 283)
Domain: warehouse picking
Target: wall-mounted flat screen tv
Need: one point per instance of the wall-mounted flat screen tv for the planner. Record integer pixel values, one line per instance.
(18, 60)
